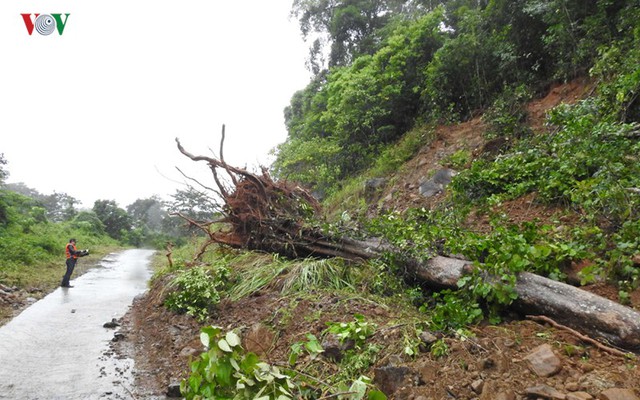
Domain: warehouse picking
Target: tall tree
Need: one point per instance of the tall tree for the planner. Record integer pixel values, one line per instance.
(4, 174)
(147, 213)
(116, 220)
(60, 206)
(345, 28)
(193, 203)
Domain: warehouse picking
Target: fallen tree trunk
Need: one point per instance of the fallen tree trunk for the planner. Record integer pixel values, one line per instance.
(269, 216)
(599, 318)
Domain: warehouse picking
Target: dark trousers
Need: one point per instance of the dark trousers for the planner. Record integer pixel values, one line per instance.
(71, 264)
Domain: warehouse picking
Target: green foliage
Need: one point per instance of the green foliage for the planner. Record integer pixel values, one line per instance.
(350, 27)
(345, 117)
(88, 222)
(311, 162)
(453, 310)
(574, 30)
(446, 64)
(227, 371)
(457, 160)
(393, 156)
(585, 163)
(439, 349)
(116, 220)
(195, 291)
(310, 346)
(31, 247)
(331, 274)
(357, 330)
(253, 272)
(617, 70)
(507, 115)
(4, 174)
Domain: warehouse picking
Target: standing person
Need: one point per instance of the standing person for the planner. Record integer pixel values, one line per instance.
(72, 254)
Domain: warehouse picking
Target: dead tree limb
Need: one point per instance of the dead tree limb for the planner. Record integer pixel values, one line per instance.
(169, 253)
(578, 335)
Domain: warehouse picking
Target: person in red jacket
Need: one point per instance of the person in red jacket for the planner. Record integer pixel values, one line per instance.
(72, 254)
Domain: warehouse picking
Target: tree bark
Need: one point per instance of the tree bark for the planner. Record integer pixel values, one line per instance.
(599, 318)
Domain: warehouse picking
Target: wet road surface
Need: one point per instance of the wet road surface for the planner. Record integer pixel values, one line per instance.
(58, 348)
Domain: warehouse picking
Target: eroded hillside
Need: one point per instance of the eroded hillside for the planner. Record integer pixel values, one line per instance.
(518, 359)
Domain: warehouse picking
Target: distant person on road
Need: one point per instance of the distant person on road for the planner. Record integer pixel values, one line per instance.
(72, 258)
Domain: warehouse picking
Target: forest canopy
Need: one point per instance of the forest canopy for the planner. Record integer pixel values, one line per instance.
(382, 66)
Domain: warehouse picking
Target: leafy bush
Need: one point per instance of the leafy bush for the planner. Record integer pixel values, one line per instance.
(195, 291)
(453, 310)
(226, 371)
(357, 331)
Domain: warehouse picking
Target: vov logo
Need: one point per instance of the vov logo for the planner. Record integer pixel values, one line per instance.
(45, 24)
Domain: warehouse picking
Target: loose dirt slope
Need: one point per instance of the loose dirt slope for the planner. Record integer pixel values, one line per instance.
(497, 363)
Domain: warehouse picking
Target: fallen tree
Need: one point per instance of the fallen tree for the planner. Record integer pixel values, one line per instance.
(261, 214)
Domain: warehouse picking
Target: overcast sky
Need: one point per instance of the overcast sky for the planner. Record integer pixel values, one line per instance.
(94, 112)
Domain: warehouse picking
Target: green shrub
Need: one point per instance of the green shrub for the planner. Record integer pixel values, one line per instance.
(195, 291)
(227, 371)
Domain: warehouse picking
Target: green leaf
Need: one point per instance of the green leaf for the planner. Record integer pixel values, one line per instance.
(376, 395)
(234, 364)
(359, 388)
(232, 339)
(224, 346)
(204, 338)
(223, 374)
(249, 363)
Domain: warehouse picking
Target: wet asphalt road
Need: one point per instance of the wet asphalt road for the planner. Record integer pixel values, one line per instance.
(58, 348)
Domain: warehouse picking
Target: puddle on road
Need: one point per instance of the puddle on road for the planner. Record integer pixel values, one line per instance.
(58, 348)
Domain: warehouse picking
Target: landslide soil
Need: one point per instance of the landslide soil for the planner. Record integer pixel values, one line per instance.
(487, 366)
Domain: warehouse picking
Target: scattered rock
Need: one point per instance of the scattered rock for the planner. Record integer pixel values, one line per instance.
(477, 386)
(543, 361)
(579, 396)
(111, 324)
(389, 379)
(546, 392)
(188, 352)
(334, 348)
(618, 394)
(437, 183)
(173, 391)
(507, 395)
(373, 187)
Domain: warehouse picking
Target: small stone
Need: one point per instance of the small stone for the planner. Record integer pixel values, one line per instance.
(428, 338)
(543, 361)
(587, 367)
(111, 324)
(477, 386)
(572, 386)
(173, 391)
(579, 396)
(618, 394)
(188, 352)
(545, 391)
(508, 395)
